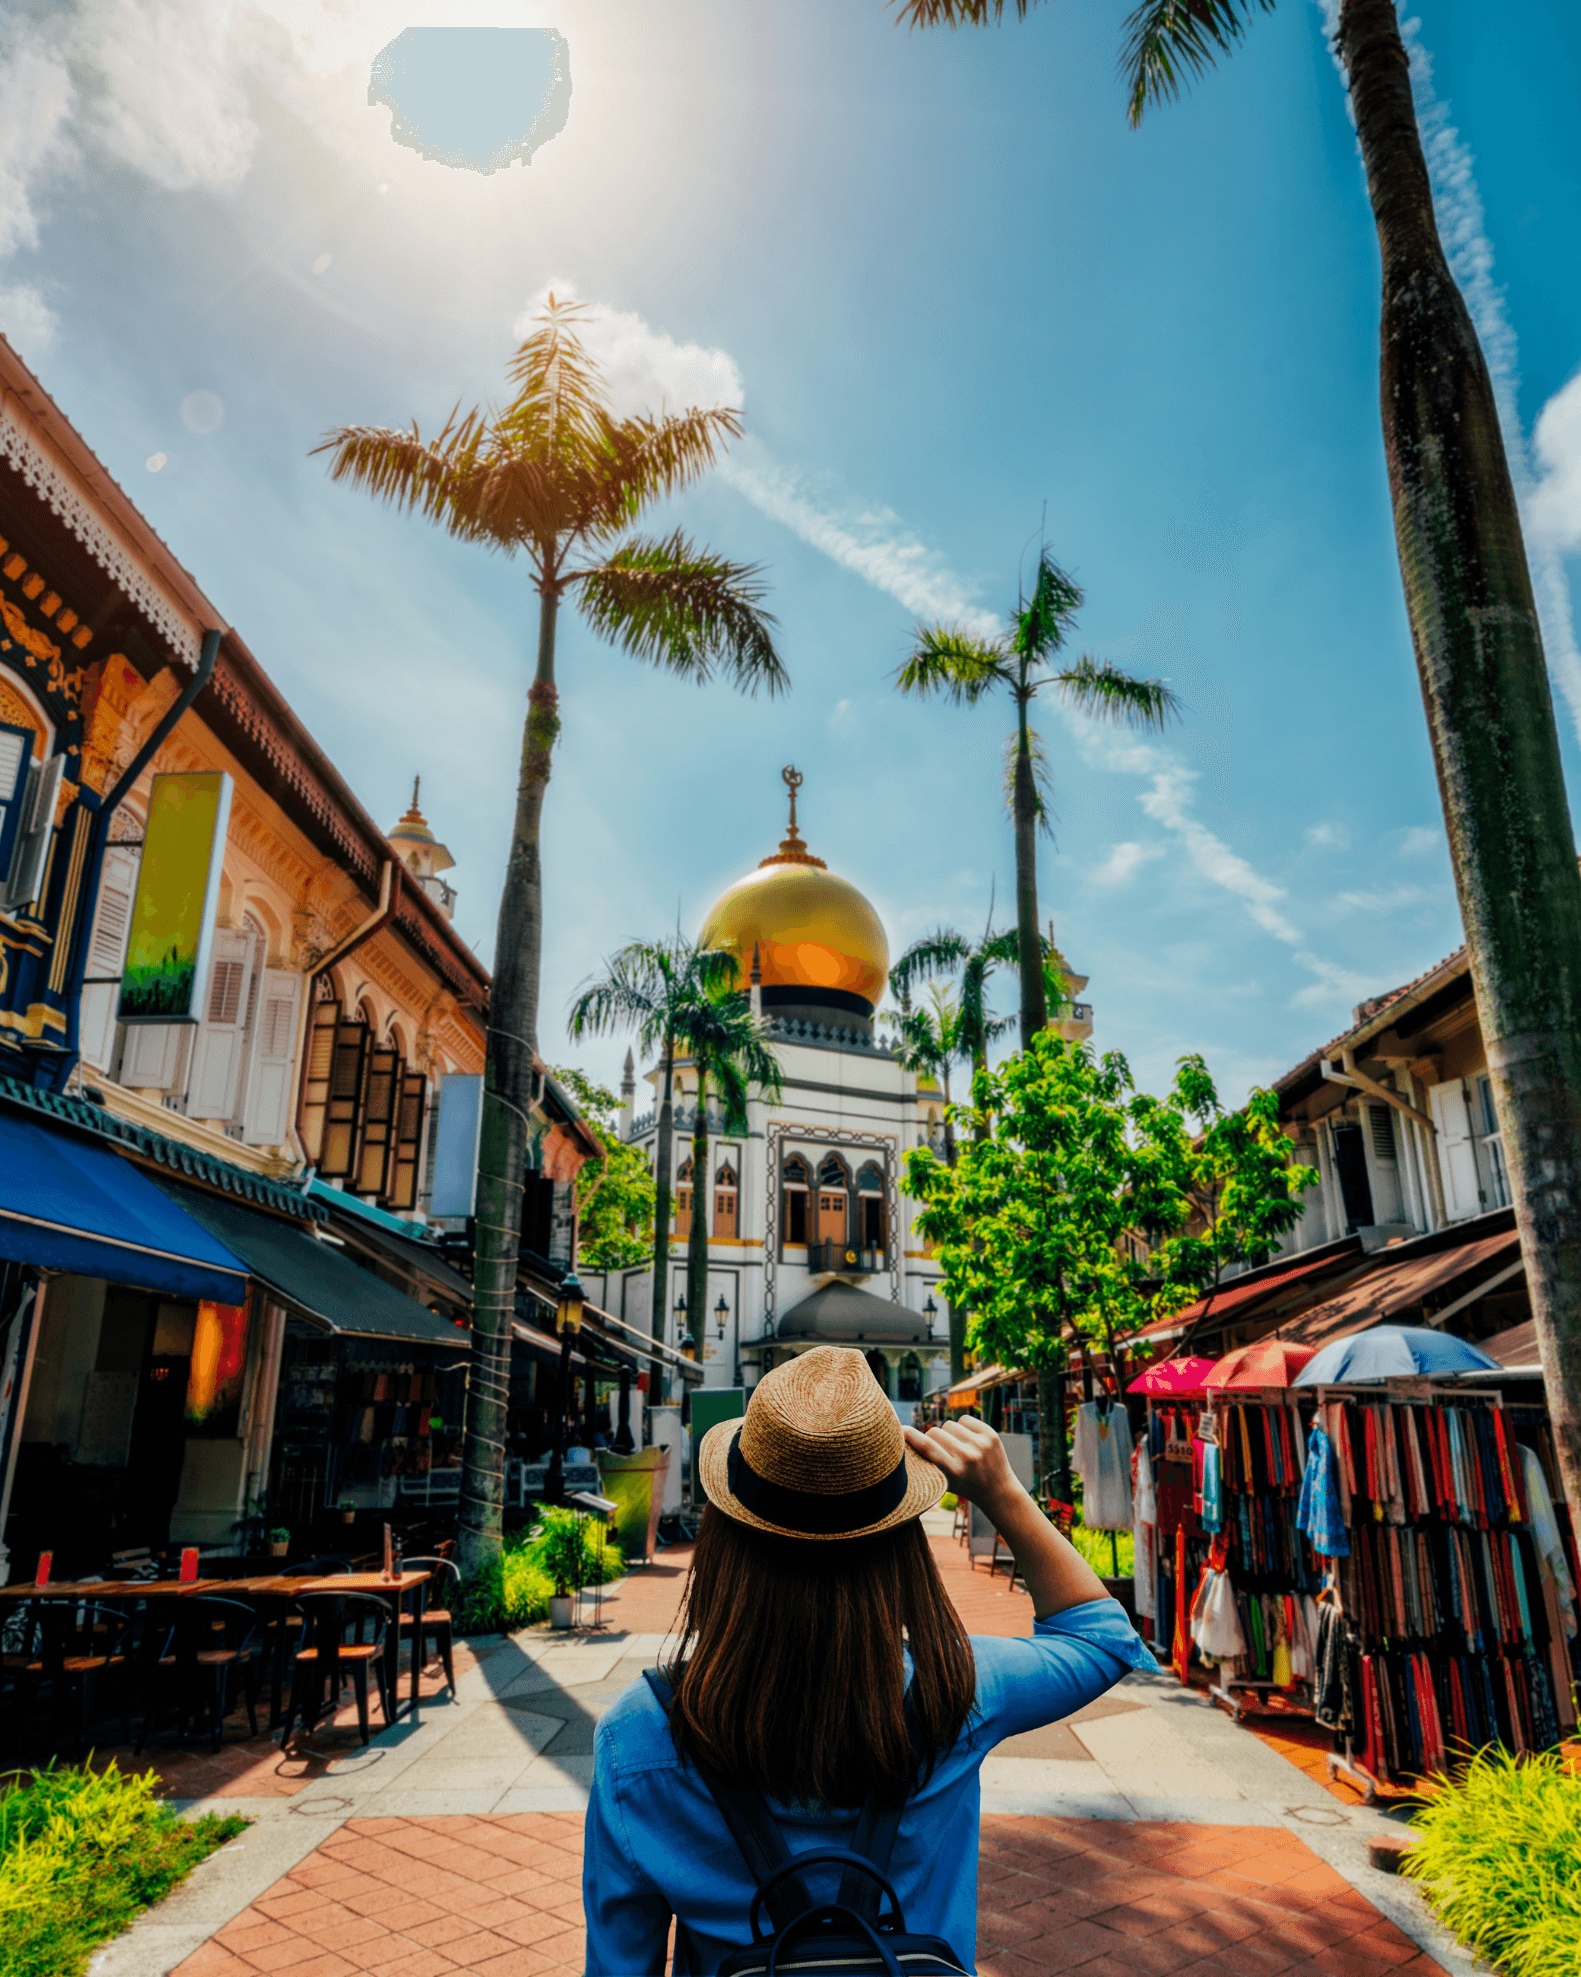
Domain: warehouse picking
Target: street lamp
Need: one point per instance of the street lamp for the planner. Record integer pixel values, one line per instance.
(721, 1313)
(567, 1322)
(930, 1311)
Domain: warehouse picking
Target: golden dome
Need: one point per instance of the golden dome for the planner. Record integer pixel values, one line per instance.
(814, 932)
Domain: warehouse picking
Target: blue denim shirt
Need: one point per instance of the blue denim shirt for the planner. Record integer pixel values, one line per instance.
(656, 1845)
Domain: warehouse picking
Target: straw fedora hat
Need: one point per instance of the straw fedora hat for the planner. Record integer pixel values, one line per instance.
(820, 1454)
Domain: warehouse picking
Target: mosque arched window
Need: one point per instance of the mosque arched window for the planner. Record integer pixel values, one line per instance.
(909, 1383)
(796, 1196)
(726, 1197)
(683, 1200)
(870, 1205)
(834, 1201)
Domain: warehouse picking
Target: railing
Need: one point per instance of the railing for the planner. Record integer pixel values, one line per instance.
(794, 1030)
(685, 1119)
(843, 1259)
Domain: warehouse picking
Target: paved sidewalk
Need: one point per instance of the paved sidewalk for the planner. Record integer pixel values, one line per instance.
(1145, 1834)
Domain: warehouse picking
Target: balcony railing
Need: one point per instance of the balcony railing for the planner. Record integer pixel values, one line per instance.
(842, 1259)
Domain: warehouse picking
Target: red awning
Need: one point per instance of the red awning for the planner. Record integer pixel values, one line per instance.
(1392, 1287)
(1239, 1293)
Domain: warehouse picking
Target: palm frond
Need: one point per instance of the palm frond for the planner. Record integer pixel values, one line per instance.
(938, 953)
(405, 469)
(956, 13)
(950, 661)
(643, 460)
(1042, 779)
(684, 609)
(1170, 42)
(560, 401)
(1095, 687)
(1041, 624)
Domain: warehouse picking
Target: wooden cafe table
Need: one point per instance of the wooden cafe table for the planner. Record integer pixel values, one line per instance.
(404, 1588)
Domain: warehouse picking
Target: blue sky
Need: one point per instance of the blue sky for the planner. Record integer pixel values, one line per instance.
(947, 286)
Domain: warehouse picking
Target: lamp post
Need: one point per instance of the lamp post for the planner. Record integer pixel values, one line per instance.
(722, 1313)
(567, 1322)
(930, 1311)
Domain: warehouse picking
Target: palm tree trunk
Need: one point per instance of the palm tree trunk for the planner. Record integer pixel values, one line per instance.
(1490, 714)
(664, 1168)
(697, 1236)
(508, 1091)
(949, 1123)
(1034, 1004)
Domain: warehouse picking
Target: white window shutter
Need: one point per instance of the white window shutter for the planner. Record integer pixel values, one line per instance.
(214, 1089)
(1457, 1155)
(151, 1056)
(112, 915)
(266, 1114)
(38, 830)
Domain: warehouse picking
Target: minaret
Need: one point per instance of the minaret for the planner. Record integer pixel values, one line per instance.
(628, 1095)
(1075, 1025)
(423, 856)
(757, 984)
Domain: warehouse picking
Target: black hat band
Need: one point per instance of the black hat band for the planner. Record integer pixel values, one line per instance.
(812, 1511)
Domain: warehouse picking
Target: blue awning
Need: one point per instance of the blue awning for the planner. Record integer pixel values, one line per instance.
(66, 1204)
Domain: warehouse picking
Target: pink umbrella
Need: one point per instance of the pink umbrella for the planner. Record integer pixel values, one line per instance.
(1269, 1363)
(1172, 1376)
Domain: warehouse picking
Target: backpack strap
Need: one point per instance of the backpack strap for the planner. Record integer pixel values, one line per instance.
(876, 1828)
(751, 1825)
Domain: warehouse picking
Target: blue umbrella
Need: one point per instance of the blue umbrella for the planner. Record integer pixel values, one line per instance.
(1389, 1351)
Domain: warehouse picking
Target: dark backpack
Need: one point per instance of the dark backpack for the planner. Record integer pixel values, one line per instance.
(852, 1935)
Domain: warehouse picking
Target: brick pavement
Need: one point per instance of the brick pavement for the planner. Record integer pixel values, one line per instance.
(501, 1897)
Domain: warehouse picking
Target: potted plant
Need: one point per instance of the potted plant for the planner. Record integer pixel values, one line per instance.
(348, 1510)
(562, 1555)
(279, 1541)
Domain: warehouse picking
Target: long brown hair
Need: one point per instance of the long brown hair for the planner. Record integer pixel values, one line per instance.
(791, 1676)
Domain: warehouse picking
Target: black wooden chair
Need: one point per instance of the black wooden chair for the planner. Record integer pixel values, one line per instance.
(71, 1651)
(343, 1635)
(206, 1644)
(438, 1621)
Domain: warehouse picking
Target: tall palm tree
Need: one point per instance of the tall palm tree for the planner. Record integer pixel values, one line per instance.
(1475, 631)
(651, 988)
(928, 1041)
(555, 477)
(728, 1050)
(951, 661)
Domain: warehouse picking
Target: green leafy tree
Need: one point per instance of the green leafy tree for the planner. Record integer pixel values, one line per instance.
(1476, 635)
(556, 478)
(650, 988)
(615, 1193)
(1241, 1173)
(948, 659)
(1029, 1225)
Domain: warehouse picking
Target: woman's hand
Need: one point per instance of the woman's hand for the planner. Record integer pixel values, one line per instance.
(973, 1458)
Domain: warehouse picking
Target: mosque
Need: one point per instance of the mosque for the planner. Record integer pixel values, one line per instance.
(811, 1241)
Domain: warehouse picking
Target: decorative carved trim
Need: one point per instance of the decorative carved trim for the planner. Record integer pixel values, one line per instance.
(774, 1143)
(63, 498)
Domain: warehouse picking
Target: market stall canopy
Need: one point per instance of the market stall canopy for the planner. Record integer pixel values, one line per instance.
(1268, 1363)
(314, 1278)
(965, 1392)
(1240, 1294)
(1173, 1376)
(67, 1204)
(841, 1314)
(1516, 1349)
(1391, 1352)
(1394, 1286)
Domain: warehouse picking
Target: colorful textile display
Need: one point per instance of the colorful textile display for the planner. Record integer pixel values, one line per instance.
(1144, 1534)
(1101, 1456)
(1318, 1512)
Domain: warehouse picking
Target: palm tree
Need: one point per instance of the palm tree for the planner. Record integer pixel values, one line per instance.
(950, 660)
(726, 1046)
(555, 477)
(652, 987)
(1475, 632)
(945, 952)
(928, 1041)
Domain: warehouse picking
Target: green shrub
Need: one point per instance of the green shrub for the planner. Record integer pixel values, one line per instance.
(81, 1854)
(949, 1500)
(1094, 1547)
(1498, 1855)
(516, 1593)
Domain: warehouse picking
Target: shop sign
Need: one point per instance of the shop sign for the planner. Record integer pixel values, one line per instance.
(178, 883)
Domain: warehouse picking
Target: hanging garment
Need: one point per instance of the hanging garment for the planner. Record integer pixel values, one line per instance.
(1144, 1535)
(1181, 1644)
(1318, 1512)
(1102, 1458)
(1551, 1559)
(1212, 1487)
(1215, 1624)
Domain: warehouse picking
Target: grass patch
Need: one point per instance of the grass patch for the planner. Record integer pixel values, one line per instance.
(517, 1592)
(82, 1854)
(1498, 1856)
(1094, 1547)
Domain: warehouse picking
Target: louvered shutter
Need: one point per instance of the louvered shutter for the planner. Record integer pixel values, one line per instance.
(36, 834)
(112, 915)
(378, 1119)
(214, 1089)
(316, 1078)
(406, 1164)
(343, 1106)
(266, 1111)
(16, 758)
(1457, 1154)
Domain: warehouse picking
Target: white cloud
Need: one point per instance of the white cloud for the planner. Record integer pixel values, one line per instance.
(1324, 835)
(27, 320)
(1383, 899)
(842, 717)
(36, 97)
(175, 103)
(1420, 838)
(1556, 501)
(1123, 863)
(644, 369)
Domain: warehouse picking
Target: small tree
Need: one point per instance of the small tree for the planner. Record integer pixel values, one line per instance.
(614, 1194)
